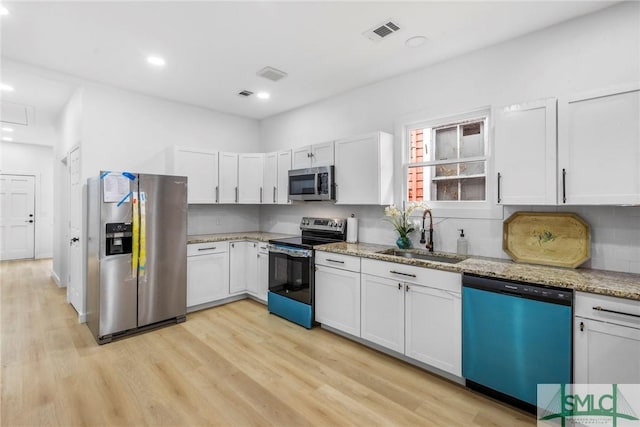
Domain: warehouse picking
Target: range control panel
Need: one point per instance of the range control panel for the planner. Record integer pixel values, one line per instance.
(325, 224)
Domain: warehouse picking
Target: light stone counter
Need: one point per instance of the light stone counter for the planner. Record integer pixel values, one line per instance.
(623, 285)
(242, 235)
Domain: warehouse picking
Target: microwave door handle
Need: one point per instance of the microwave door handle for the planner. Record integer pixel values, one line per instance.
(316, 191)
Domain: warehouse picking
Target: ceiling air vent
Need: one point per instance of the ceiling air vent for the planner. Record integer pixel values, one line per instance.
(272, 74)
(381, 31)
(245, 93)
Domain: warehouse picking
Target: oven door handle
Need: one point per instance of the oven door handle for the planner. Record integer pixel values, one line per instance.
(296, 253)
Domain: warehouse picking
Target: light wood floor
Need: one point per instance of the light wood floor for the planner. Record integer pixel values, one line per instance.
(232, 365)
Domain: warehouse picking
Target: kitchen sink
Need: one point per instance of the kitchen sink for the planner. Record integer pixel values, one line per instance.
(422, 255)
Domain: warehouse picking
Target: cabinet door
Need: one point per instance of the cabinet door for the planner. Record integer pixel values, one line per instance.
(364, 170)
(433, 327)
(228, 178)
(322, 154)
(270, 179)
(250, 174)
(237, 267)
(251, 268)
(337, 294)
(263, 273)
(207, 278)
(301, 157)
(605, 353)
(284, 165)
(382, 316)
(525, 153)
(599, 148)
(201, 167)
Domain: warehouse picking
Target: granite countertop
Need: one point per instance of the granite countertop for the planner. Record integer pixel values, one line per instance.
(242, 235)
(623, 285)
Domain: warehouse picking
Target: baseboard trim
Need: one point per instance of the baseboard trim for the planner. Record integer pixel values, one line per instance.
(56, 280)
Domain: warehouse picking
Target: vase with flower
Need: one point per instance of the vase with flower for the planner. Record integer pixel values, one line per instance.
(400, 219)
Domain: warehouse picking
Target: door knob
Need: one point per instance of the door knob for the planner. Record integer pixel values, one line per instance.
(29, 220)
(75, 239)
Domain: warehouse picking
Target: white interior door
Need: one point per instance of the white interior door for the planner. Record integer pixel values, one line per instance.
(74, 286)
(17, 216)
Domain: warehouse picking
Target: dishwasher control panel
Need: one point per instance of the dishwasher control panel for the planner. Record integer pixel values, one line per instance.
(522, 289)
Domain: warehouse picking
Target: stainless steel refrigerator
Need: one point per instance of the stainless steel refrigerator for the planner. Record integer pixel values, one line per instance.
(136, 252)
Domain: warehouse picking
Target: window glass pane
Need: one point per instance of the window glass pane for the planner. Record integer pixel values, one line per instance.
(446, 143)
(415, 184)
(447, 170)
(418, 145)
(472, 168)
(446, 190)
(472, 189)
(472, 141)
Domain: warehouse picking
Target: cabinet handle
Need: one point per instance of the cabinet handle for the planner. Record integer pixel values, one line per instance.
(564, 186)
(260, 194)
(233, 245)
(275, 195)
(499, 176)
(217, 194)
(236, 194)
(308, 155)
(616, 312)
(406, 288)
(581, 326)
(335, 260)
(403, 274)
(399, 286)
(207, 249)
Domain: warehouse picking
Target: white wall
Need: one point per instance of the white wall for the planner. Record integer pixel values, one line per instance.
(594, 51)
(34, 160)
(123, 130)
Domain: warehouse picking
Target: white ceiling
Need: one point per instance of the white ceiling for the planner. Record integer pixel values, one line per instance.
(213, 49)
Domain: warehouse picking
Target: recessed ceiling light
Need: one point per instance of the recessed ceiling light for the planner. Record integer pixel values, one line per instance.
(156, 61)
(263, 95)
(7, 129)
(6, 88)
(3, 11)
(7, 138)
(415, 41)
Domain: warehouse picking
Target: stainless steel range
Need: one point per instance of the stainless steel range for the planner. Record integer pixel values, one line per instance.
(291, 268)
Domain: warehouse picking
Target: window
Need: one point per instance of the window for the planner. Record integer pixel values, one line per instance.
(447, 161)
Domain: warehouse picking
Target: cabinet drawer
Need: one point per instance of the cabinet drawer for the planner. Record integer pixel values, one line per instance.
(345, 262)
(585, 303)
(207, 248)
(408, 273)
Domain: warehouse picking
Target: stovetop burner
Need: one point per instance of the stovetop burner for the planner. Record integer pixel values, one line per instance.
(315, 232)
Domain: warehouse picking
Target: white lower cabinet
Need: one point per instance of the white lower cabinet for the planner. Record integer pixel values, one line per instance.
(207, 272)
(606, 340)
(263, 272)
(421, 320)
(337, 303)
(383, 312)
(237, 267)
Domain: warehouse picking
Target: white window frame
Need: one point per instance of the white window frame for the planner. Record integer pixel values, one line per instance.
(487, 208)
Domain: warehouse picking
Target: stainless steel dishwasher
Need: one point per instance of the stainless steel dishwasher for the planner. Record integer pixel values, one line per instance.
(515, 336)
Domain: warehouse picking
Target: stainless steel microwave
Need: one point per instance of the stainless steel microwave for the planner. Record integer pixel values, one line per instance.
(312, 184)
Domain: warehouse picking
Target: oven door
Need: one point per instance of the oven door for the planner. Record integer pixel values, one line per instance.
(291, 273)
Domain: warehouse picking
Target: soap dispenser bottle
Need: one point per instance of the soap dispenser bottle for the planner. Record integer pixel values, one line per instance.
(462, 243)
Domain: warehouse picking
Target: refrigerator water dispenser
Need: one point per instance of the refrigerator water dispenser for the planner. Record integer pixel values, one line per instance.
(118, 238)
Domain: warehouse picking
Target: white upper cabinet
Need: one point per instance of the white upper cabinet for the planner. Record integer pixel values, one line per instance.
(250, 175)
(201, 168)
(364, 170)
(599, 147)
(284, 165)
(525, 153)
(228, 183)
(270, 179)
(312, 156)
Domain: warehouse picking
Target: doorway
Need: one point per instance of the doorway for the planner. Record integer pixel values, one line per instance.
(17, 216)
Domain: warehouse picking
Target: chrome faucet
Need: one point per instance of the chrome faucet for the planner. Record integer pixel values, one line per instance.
(429, 245)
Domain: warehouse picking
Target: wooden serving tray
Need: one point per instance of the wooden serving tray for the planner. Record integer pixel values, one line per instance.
(547, 238)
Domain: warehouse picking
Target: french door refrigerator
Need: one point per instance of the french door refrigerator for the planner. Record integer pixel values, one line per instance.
(136, 252)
